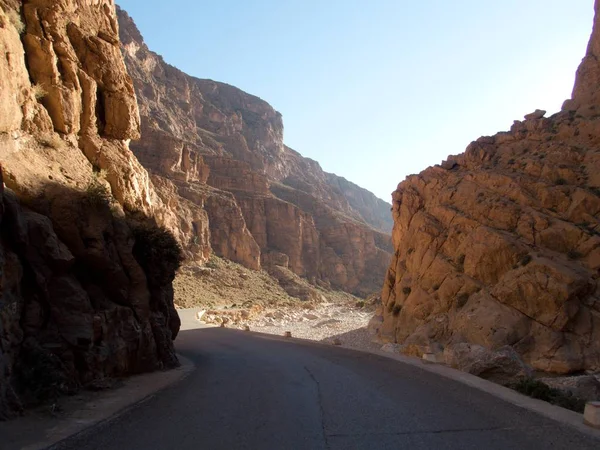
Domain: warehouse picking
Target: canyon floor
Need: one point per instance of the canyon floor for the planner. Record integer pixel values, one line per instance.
(227, 292)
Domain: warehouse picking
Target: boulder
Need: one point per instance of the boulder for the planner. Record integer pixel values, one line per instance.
(391, 348)
(502, 366)
(537, 114)
(585, 387)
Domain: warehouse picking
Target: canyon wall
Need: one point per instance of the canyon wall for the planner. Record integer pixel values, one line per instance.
(81, 297)
(223, 149)
(501, 245)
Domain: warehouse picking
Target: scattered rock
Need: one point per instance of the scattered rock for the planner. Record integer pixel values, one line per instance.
(328, 323)
(391, 348)
(586, 387)
(431, 357)
(537, 114)
(502, 366)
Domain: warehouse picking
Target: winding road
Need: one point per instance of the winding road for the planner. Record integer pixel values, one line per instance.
(251, 391)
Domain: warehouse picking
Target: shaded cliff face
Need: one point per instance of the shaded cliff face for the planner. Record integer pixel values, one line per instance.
(223, 149)
(80, 297)
(501, 245)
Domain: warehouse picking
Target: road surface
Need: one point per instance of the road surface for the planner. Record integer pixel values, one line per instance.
(256, 392)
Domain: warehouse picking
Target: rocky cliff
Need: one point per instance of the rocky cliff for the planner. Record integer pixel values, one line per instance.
(86, 289)
(501, 245)
(222, 148)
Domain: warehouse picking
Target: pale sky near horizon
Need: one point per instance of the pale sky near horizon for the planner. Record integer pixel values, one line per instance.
(380, 89)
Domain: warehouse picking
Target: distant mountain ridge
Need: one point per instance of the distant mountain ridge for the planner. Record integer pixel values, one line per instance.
(222, 148)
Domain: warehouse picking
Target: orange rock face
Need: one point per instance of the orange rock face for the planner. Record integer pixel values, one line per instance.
(261, 196)
(501, 245)
(79, 302)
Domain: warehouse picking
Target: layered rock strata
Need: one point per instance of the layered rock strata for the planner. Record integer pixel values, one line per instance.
(224, 148)
(501, 245)
(81, 300)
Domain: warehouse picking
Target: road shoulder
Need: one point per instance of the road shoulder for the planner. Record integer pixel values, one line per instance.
(42, 428)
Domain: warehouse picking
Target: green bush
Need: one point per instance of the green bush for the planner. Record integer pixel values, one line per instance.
(156, 250)
(213, 262)
(98, 195)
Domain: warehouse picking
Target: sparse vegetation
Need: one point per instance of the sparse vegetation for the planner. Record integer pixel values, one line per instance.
(156, 249)
(537, 389)
(213, 262)
(38, 91)
(561, 181)
(574, 254)
(51, 140)
(360, 304)
(397, 309)
(15, 19)
(97, 194)
(406, 290)
(42, 374)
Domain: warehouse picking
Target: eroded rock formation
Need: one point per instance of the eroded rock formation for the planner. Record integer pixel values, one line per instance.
(80, 298)
(223, 148)
(501, 245)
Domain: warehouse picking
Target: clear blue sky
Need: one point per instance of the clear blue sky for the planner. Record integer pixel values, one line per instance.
(379, 89)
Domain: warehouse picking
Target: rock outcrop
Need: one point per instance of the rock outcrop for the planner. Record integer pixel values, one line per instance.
(81, 298)
(501, 245)
(223, 148)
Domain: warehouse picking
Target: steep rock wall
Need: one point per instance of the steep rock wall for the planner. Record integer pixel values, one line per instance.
(80, 300)
(501, 245)
(237, 141)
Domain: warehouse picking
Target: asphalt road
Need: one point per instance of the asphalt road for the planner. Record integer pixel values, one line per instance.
(255, 392)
